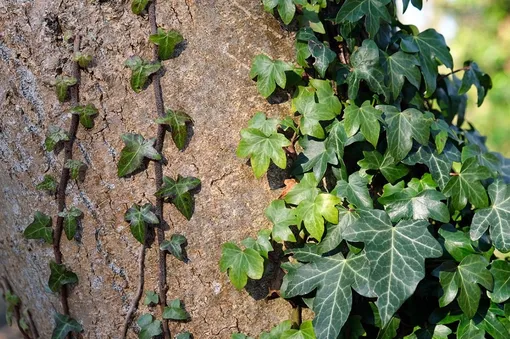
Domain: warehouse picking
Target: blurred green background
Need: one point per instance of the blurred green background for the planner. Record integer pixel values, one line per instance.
(477, 30)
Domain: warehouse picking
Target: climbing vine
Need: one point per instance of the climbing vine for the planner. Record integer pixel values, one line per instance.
(395, 219)
(179, 192)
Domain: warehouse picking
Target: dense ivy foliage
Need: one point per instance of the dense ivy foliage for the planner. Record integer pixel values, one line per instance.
(396, 221)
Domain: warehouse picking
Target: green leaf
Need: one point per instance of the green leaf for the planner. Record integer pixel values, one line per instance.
(365, 66)
(60, 276)
(467, 329)
(323, 56)
(140, 72)
(277, 331)
(373, 10)
(466, 186)
(183, 335)
(497, 217)
(500, 270)
(473, 75)
(333, 279)
(175, 311)
(403, 127)
(241, 264)
(48, 184)
(282, 218)
(356, 191)
(82, 59)
(286, 9)
(178, 192)
(261, 149)
(430, 45)
(74, 167)
(151, 297)
(337, 138)
(266, 126)
(398, 66)
(55, 135)
(387, 165)
(138, 217)
(310, 17)
(306, 331)
(65, 325)
(333, 237)
(489, 160)
(174, 246)
(457, 243)
(416, 3)
(313, 213)
(137, 6)
(493, 326)
(262, 244)
(315, 156)
(62, 84)
(269, 73)
(306, 189)
(40, 228)
(240, 336)
(466, 276)
(71, 217)
(149, 327)
(365, 118)
(390, 330)
(177, 121)
(86, 113)
(133, 154)
(393, 276)
(166, 40)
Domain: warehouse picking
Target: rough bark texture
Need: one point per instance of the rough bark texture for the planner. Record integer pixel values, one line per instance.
(209, 80)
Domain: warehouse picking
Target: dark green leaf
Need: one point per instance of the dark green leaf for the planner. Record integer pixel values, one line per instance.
(457, 243)
(133, 154)
(398, 66)
(174, 246)
(175, 311)
(140, 72)
(137, 6)
(55, 135)
(390, 330)
(178, 192)
(323, 56)
(149, 327)
(60, 276)
(315, 156)
(269, 73)
(74, 167)
(86, 114)
(365, 118)
(40, 228)
(337, 138)
(333, 237)
(71, 217)
(177, 121)
(474, 76)
(310, 17)
(493, 326)
(166, 42)
(416, 3)
(387, 165)
(62, 84)
(500, 270)
(48, 184)
(138, 217)
(489, 160)
(356, 191)
(467, 329)
(241, 264)
(65, 325)
(151, 297)
(373, 10)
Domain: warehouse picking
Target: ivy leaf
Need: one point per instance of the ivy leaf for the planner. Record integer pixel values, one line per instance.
(467, 329)
(62, 84)
(133, 154)
(60, 276)
(313, 213)
(393, 277)
(281, 217)
(416, 3)
(500, 270)
(466, 186)
(40, 228)
(333, 237)
(486, 159)
(310, 17)
(356, 191)
(82, 59)
(442, 131)
(55, 135)
(86, 114)
(178, 192)
(138, 217)
(174, 246)
(439, 164)
(457, 243)
(466, 276)
(74, 167)
(373, 10)
(71, 217)
(175, 311)
(140, 72)
(315, 156)
(65, 325)
(365, 66)
(269, 73)
(261, 149)
(177, 121)
(431, 46)
(166, 42)
(306, 189)
(241, 264)
(398, 66)
(333, 279)
(497, 217)
(277, 331)
(473, 75)
(387, 165)
(323, 56)
(286, 9)
(262, 123)
(137, 6)
(493, 326)
(262, 244)
(306, 331)
(151, 297)
(403, 127)
(48, 184)
(183, 335)
(149, 327)
(337, 138)
(365, 118)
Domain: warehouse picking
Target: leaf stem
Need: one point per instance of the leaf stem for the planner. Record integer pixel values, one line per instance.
(466, 68)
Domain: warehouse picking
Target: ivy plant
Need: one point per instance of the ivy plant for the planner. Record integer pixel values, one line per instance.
(392, 201)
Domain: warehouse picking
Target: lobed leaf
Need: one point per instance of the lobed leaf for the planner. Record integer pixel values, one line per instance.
(136, 149)
(178, 192)
(40, 228)
(166, 41)
(177, 122)
(241, 264)
(139, 217)
(60, 276)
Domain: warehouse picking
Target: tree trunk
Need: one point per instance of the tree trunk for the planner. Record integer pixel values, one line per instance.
(209, 81)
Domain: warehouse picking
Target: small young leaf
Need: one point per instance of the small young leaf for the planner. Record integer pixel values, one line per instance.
(150, 328)
(277, 331)
(141, 70)
(151, 297)
(62, 84)
(48, 184)
(82, 59)
(74, 167)
(265, 125)
(71, 217)
(55, 135)
(241, 264)
(137, 6)
(60, 276)
(178, 192)
(177, 121)
(136, 150)
(166, 42)
(175, 311)
(40, 228)
(174, 246)
(86, 114)
(269, 73)
(139, 217)
(65, 325)
(262, 244)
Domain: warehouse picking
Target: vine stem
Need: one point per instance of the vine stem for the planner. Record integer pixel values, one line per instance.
(158, 169)
(139, 292)
(64, 177)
